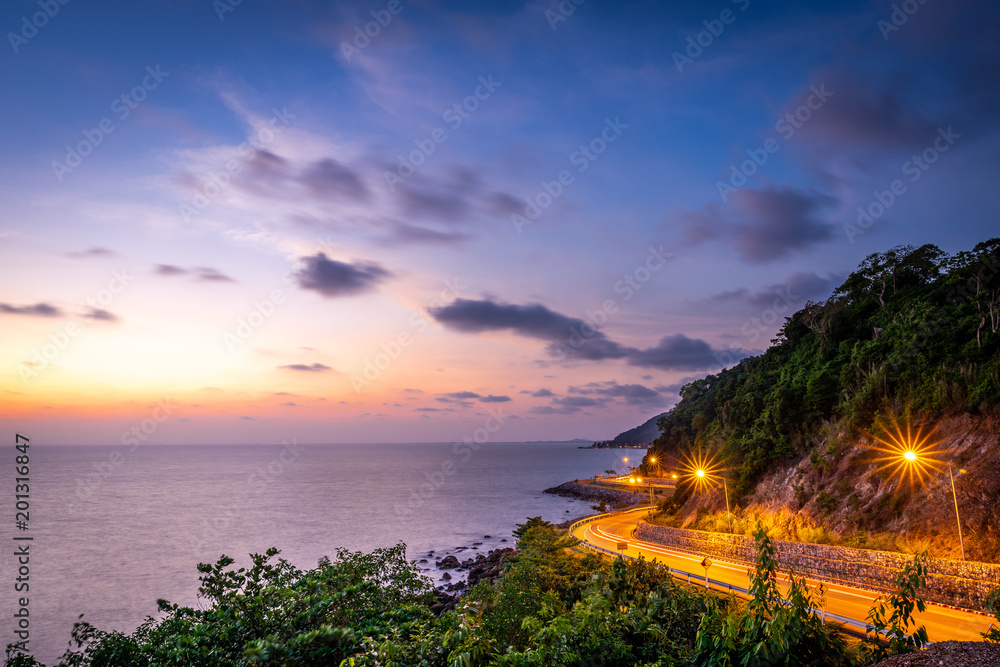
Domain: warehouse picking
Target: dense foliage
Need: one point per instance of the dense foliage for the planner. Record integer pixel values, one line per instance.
(911, 328)
(550, 606)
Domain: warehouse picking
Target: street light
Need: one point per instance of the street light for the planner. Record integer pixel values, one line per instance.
(705, 478)
(958, 518)
(916, 461)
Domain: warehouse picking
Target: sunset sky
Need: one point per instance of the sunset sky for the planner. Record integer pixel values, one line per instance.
(280, 227)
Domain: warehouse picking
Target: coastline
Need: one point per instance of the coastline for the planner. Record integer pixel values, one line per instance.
(614, 499)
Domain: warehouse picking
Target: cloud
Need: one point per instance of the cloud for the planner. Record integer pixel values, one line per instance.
(202, 273)
(633, 394)
(862, 113)
(571, 338)
(457, 396)
(680, 353)
(169, 270)
(309, 368)
(552, 410)
(290, 404)
(427, 409)
(763, 225)
(211, 275)
(333, 278)
(465, 398)
(447, 197)
(795, 289)
(330, 179)
(100, 314)
(96, 251)
(568, 336)
(37, 310)
(579, 402)
(542, 393)
(401, 233)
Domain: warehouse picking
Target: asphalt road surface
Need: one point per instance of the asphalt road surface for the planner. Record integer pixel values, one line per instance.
(844, 603)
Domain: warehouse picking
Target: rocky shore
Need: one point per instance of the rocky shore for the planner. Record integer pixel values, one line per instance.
(613, 498)
(484, 567)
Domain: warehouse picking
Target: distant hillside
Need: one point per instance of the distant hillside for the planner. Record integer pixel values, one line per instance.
(912, 335)
(640, 435)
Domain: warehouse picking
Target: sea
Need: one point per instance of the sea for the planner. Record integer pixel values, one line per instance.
(113, 529)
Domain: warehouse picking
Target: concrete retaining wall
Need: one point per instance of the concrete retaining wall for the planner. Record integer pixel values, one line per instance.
(950, 582)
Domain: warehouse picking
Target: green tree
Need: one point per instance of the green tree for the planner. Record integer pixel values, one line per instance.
(890, 620)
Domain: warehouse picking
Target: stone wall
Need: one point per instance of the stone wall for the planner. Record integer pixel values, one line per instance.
(950, 582)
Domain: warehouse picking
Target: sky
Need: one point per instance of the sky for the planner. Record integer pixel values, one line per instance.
(404, 221)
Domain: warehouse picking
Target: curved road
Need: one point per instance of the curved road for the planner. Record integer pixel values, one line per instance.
(843, 603)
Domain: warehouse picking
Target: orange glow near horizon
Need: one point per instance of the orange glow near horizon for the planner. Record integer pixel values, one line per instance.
(907, 452)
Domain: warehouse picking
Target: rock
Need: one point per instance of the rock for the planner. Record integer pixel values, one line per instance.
(503, 540)
(476, 544)
(447, 563)
(423, 560)
(486, 537)
(446, 576)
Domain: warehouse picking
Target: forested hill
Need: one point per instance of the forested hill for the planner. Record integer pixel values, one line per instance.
(911, 330)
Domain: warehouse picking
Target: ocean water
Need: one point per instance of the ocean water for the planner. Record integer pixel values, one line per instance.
(114, 530)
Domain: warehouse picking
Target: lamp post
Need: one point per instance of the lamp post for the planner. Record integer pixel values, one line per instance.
(729, 512)
(701, 474)
(958, 518)
(910, 456)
